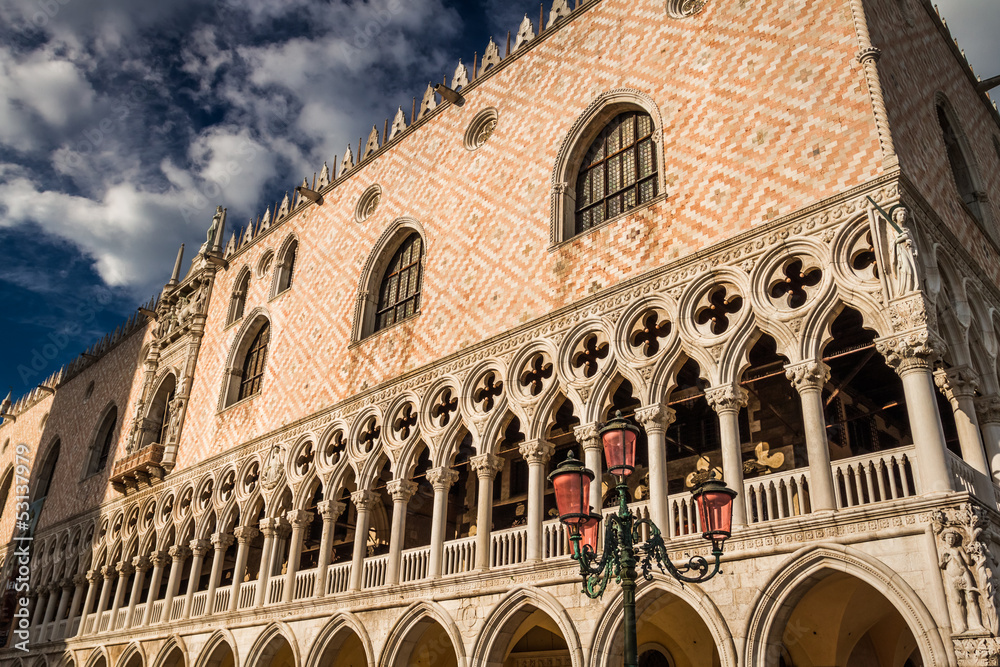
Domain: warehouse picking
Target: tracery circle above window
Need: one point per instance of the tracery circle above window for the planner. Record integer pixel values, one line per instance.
(481, 128)
(368, 203)
(680, 9)
(618, 172)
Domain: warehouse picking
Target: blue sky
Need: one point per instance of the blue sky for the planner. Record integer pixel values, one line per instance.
(120, 120)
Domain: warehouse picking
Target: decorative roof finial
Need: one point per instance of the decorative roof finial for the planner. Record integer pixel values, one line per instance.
(429, 103)
(461, 77)
(491, 58)
(398, 123)
(176, 275)
(372, 144)
(525, 33)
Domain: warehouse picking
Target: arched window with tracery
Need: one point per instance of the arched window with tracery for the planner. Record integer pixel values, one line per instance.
(618, 172)
(104, 442)
(961, 168)
(286, 267)
(253, 364)
(399, 291)
(238, 301)
(44, 481)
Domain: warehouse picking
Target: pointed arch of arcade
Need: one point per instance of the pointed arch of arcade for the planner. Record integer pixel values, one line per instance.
(508, 615)
(776, 601)
(98, 656)
(221, 638)
(67, 660)
(407, 631)
(262, 650)
(133, 651)
(174, 643)
(609, 628)
(334, 633)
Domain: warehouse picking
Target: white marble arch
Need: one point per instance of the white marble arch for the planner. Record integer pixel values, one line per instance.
(173, 642)
(607, 635)
(793, 579)
(133, 650)
(406, 632)
(334, 633)
(507, 616)
(262, 652)
(220, 637)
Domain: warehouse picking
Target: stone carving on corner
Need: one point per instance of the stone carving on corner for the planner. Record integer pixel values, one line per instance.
(273, 468)
(969, 572)
(903, 256)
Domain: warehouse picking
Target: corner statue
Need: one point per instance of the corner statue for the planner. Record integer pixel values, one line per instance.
(210, 235)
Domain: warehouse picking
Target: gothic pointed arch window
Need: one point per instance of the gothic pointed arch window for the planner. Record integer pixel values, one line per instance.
(286, 267)
(104, 442)
(959, 160)
(391, 288)
(238, 301)
(608, 164)
(247, 362)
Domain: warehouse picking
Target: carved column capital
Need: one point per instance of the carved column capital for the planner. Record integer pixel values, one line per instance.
(199, 547)
(108, 571)
(401, 490)
(655, 418)
(726, 398)
(67, 583)
(141, 563)
(917, 350)
(363, 499)
(988, 409)
(442, 478)
(536, 451)
(268, 528)
(179, 553)
(125, 569)
(299, 518)
(330, 510)
(222, 541)
(871, 53)
(244, 534)
(587, 436)
(808, 375)
(486, 466)
(80, 579)
(955, 383)
(159, 558)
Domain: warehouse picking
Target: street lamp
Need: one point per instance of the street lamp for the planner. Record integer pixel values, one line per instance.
(622, 552)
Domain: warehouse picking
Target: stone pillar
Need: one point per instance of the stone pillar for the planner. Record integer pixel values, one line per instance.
(590, 442)
(727, 400)
(329, 510)
(178, 554)
(108, 572)
(66, 585)
(125, 570)
(268, 528)
(486, 467)
(300, 520)
(809, 378)
(912, 357)
(159, 559)
(244, 535)
(49, 607)
(988, 410)
(441, 479)
(141, 565)
(401, 490)
(93, 576)
(80, 581)
(959, 386)
(537, 453)
(220, 542)
(655, 419)
(362, 502)
(198, 550)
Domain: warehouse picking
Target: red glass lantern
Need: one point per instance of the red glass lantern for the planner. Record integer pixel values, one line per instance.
(618, 437)
(571, 482)
(715, 506)
(589, 531)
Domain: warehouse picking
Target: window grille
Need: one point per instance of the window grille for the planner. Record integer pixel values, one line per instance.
(399, 293)
(253, 364)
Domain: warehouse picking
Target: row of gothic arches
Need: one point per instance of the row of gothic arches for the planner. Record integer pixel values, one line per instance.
(827, 604)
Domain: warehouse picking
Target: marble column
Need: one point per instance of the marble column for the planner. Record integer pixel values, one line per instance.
(363, 503)
(486, 467)
(537, 454)
(727, 400)
(66, 585)
(198, 550)
(244, 535)
(400, 490)
(655, 419)
(108, 572)
(988, 410)
(80, 581)
(809, 377)
(220, 542)
(912, 357)
(300, 521)
(141, 565)
(159, 559)
(959, 386)
(330, 511)
(178, 554)
(269, 529)
(441, 479)
(590, 443)
(125, 571)
(46, 610)
(93, 576)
